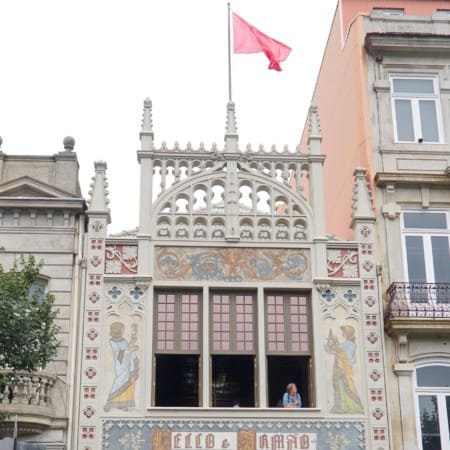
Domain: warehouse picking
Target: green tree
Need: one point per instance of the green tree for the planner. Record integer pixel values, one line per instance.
(28, 334)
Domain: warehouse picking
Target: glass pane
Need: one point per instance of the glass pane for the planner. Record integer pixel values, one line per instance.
(429, 422)
(413, 86)
(415, 258)
(297, 315)
(433, 376)
(233, 381)
(441, 259)
(437, 221)
(390, 12)
(404, 118)
(38, 289)
(428, 120)
(177, 380)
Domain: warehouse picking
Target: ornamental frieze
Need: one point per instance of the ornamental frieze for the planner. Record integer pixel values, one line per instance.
(232, 264)
(342, 263)
(232, 435)
(121, 259)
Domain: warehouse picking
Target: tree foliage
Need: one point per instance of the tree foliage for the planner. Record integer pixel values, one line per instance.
(28, 334)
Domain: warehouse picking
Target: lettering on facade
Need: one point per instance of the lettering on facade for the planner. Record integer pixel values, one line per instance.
(240, 440)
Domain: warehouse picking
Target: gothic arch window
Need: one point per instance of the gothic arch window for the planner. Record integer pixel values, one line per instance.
(266, 209)
(433, 406)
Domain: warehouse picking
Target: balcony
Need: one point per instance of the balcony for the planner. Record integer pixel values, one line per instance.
(28, 396)
(418, 307)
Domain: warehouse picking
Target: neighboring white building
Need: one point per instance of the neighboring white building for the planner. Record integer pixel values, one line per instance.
(42, 214)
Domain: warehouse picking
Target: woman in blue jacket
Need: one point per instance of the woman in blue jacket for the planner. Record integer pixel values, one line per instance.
(291, 398)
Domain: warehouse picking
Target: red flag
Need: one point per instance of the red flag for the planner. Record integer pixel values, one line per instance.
(248, 39)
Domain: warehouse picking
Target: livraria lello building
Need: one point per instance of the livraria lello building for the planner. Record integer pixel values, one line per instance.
(326, 265)
(184, 333)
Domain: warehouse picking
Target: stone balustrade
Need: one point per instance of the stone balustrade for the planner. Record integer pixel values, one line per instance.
(28, 395)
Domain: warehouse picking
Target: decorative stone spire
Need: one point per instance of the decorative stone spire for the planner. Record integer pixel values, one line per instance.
(98, 195)
(1, 141)
(231, 135)
(314, 132)
(146, 134)
(362, 199)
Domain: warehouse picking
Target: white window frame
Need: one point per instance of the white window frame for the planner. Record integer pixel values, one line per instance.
(440, 393)
(415, 98)
(443, 12)
(426, 234)
(390, 11)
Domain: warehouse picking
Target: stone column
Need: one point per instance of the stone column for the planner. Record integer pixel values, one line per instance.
(205, 374)
(261, 352)
(408, 421)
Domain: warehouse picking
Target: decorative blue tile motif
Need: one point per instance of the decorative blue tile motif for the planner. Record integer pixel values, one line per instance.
(328, 295)
(114, 292)
(199, 434)
(136, 293)
(350, 296)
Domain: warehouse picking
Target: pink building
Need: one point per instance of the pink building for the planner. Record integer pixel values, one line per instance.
(383, 99)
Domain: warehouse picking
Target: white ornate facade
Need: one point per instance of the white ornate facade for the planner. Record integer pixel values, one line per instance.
(192, 325)
(184, 333)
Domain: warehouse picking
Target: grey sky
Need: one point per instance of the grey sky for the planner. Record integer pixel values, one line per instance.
(83, 68)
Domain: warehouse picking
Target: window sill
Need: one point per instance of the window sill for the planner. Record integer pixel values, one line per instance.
(415, 148)
(232, 412)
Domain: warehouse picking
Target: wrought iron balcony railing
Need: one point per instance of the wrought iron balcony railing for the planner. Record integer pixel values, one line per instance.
(418, 300)
(29, 396)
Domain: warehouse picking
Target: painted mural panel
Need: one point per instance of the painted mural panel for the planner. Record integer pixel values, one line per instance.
(342, 263)
(232, 264)
(121, 372)
(344, 365)
(126, 367)
(163, 434)
(121, 259)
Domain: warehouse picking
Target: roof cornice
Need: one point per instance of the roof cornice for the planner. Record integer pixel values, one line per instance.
(376, 43)
(77, 204)
(411, 178)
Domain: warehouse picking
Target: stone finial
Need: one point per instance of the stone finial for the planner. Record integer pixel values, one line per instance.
(314, 131)
(231, 136)
(362, 199)
(314, 124)
(98, 195)
(146, 135)
(231, 127)
(1, 141)
(69, 143)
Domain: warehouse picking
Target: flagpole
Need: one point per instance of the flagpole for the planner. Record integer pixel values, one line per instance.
(229, 54)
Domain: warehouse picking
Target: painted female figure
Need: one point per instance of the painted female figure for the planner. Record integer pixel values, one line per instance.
(126, 368)
(346, 399)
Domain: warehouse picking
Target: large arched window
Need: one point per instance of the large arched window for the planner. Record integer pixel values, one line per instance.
(433, 401)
